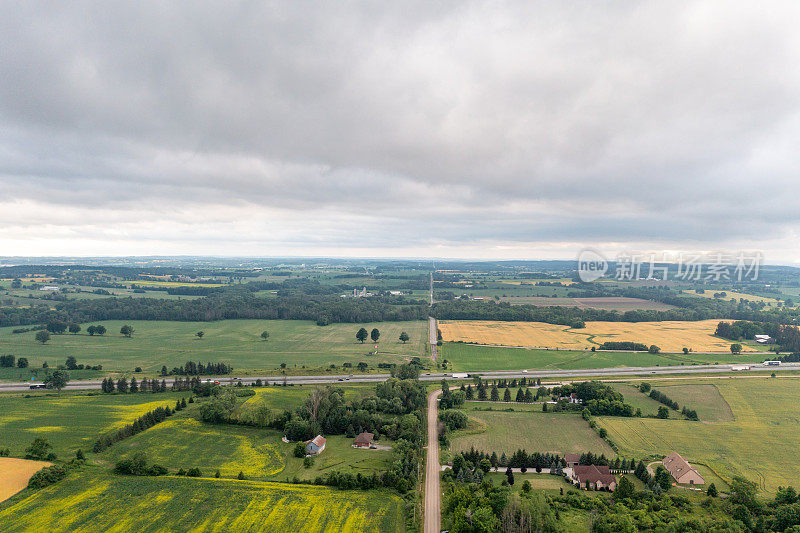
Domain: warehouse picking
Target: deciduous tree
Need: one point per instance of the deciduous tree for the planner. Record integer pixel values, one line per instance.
(57, 380)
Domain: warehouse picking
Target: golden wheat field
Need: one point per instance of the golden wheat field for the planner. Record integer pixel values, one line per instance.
(669, 336)
(15, 473)
(735, 296)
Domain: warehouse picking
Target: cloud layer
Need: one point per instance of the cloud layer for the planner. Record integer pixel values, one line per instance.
(502, 129)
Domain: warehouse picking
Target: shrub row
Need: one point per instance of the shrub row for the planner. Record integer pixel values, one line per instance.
(146, 421)
(47, 476)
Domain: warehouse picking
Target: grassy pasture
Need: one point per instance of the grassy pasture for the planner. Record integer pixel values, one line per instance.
(670, 336)
(636, 399)
(760, 443)
(534, 431)
(71, 421)
(186, 443)
(287, 398)
(100, 502)
(704, 398)
(466, 357)
(237, 342)
(38, 374)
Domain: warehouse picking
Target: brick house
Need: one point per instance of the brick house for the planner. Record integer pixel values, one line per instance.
(593, 477)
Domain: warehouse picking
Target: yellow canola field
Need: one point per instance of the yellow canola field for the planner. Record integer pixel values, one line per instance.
(670, 336)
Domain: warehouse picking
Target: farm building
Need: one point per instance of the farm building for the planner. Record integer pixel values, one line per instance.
(592, 477)
(363, 440)
(572, 398)
(681, 470)
(316, 445)
(763, 339)
(572, 459)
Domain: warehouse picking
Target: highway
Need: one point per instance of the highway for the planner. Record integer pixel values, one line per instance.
(615, 372)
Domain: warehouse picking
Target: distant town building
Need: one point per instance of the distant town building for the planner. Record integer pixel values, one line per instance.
(681, 470)
(358, 294)
(48, 288)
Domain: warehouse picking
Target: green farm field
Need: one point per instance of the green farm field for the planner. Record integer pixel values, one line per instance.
(99, 502)
(467, 357)
(71, 420)
(760, 442)
(704, 398)
(533, 431)
(237, 342)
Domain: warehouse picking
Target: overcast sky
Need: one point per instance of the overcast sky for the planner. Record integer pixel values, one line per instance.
(417, 129)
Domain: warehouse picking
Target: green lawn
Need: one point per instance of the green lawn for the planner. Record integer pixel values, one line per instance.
(760, 443)
(338, 456)
(238, 342)
(547, 482)
(533, 431)
(72, 420)
(474, 405)
(92, 500)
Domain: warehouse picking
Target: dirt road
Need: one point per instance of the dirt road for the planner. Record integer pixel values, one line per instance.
(433, 516)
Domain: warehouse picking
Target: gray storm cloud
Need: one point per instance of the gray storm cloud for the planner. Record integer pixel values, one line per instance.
(460, 128)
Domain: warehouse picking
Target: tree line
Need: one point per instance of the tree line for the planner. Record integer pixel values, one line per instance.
(233, 303)
(191, 368)
(660, 397)
(146, 421)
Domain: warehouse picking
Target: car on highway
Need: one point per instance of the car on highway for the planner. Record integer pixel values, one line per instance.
(38, 386)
